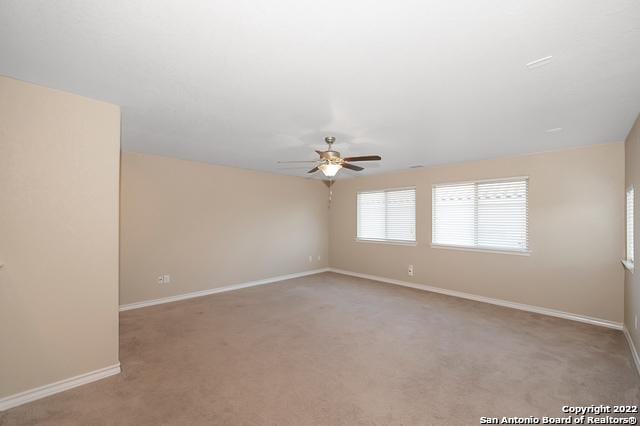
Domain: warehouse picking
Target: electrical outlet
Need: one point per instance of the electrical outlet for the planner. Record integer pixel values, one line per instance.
(636, 321)
(166, 279)
(410, 270)
(160, 279)
(318, 257)
(310, 258)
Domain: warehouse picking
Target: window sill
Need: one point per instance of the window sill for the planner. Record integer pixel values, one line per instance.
(483, 250)
(389, 242)
(627, 265)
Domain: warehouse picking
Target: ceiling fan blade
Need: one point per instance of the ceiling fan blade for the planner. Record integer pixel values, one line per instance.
(352, 167)
(297, 161)
(364, 158)
(315, 169)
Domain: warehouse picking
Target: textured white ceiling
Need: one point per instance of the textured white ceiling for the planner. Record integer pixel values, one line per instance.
(248, 82)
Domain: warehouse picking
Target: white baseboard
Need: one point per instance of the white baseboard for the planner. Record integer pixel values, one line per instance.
(57, 387)
(201, 293)
(632, 346)
(499, 302)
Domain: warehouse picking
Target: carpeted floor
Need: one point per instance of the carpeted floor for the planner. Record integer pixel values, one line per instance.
(336, 350)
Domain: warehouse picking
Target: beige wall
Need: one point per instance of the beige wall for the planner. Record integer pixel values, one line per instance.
(632, 280)
(211, 226)
(59, 156)
(575, 231)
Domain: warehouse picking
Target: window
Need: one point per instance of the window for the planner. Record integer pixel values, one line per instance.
(483, 215)
(630, 250)
(388, 215)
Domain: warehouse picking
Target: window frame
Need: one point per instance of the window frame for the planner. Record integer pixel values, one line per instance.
(629, 263)
(477, 248)
(389, 241)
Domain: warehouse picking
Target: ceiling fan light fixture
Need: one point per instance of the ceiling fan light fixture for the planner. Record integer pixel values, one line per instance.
(330, 169)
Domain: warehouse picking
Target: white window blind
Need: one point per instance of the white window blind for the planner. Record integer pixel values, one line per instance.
(388, 215)
(630, 248)
(487, 215)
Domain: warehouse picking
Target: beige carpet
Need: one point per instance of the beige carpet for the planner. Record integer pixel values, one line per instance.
(336, 350)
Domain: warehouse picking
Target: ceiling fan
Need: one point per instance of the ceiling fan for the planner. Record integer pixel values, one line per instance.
(330, 161)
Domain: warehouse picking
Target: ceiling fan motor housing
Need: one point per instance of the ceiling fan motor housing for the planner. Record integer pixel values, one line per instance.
(330, 155)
